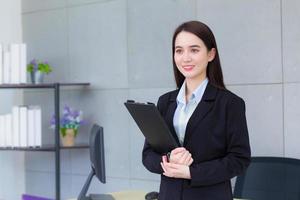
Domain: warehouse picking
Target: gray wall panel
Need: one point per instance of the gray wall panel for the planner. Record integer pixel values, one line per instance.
(34, 186)
(291, 40)
(46, 36)
(38, 5)
(97, 44)
(42, 184)
(264, 117)
(9, 98)
(44, 161)
(80, 162)
(12, 174)
(150, 28)
(291, 120)
(82, 2)
(106, 108)
(248, 38)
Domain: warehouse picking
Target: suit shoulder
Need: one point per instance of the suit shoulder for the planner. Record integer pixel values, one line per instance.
(164, 99)
(168, 95)
(230, 96)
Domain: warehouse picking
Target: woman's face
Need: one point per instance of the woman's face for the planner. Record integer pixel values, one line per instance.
(191, 56)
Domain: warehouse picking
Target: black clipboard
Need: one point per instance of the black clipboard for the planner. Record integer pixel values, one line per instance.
(152, 125)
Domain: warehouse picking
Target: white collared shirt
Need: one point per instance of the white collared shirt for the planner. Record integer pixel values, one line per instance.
(185, 109)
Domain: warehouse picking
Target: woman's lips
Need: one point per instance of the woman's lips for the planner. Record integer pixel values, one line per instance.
(188, 67)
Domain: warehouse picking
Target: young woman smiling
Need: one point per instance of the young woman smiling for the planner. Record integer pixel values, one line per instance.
(207, 120)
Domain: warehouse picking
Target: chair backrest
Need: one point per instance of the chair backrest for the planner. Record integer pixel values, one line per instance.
(273, 178)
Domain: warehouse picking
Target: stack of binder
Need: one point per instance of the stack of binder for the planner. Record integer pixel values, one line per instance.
(22, 127)
(13, 64)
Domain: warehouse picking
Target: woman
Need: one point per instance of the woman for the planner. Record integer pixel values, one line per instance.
(207, 120)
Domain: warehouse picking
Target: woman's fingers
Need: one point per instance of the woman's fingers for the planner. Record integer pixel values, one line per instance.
(162, 165)
(181, 156)
(176, 154)
(179, 163)
(171, 166)
(178, 150)
(164, 159)
(166, 167)
(190, 162)
(176, 170)
(185, 158)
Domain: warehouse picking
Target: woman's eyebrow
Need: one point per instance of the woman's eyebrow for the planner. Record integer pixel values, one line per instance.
(195, 46)
(198, 46)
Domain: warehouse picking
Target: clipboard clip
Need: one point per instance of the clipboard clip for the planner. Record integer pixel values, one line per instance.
(132, 101)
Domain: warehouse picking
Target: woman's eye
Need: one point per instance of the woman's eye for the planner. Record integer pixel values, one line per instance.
(178, 51)
(195, 50)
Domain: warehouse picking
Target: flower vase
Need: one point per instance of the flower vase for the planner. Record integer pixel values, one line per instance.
(69, 139)
(37, 77)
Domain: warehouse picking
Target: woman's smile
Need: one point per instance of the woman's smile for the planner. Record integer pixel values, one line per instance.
(188, 67)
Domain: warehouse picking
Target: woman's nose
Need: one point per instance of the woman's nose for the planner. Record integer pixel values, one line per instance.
(186, 57)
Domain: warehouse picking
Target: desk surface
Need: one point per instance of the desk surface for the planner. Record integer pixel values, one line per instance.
(130, 195)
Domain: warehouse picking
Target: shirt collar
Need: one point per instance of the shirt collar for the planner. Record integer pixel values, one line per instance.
(196, 95)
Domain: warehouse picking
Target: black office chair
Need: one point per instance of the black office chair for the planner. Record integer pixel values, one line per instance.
(273, 178)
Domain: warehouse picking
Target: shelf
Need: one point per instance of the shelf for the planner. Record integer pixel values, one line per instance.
(44, 85)
(43, 148)
(48, 148)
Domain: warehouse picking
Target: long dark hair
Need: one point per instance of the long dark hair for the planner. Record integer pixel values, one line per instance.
(202, 31)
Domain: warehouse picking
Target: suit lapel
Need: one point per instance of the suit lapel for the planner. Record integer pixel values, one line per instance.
(170, 114)
(204, 106)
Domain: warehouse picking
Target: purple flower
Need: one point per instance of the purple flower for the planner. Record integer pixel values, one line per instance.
(67, 110)
(64, 121)
(52, 121)
(75, 113)
(33, 62)
(70, 119)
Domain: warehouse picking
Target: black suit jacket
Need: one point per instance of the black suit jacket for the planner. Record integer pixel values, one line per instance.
(216, 136)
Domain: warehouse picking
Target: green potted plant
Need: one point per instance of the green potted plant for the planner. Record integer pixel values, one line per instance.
(70, 121)
(37, 70)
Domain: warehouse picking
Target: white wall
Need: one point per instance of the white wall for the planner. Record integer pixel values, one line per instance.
(12, 181)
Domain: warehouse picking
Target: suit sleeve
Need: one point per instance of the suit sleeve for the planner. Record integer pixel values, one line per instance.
(151, 159)
(238, 153)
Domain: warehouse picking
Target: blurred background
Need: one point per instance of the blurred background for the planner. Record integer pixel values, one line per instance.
(123, 48)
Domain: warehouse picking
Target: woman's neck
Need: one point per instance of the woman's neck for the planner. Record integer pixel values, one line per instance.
(191, 86)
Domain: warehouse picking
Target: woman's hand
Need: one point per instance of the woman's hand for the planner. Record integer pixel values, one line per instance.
(181, 156)
(175, 170)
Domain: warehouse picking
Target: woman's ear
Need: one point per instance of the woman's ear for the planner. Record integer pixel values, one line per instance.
(211, 54)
